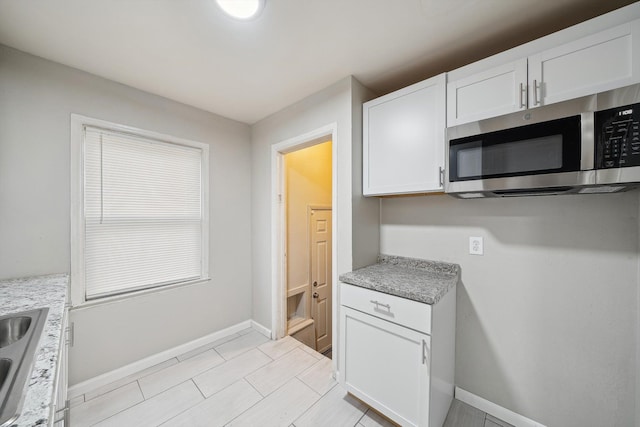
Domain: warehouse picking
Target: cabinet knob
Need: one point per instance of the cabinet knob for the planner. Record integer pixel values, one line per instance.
(315, 295)
(315, 283)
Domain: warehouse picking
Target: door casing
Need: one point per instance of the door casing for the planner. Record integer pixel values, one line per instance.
(278, 225)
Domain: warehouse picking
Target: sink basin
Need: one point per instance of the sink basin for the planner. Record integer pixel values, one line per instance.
(12, 329)
(5, 364)
(19, 337)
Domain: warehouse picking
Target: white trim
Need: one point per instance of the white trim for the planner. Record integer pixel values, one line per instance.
(322, 134)
(334, 242)
(299, 326)
(261, 329)
(497, 411)
(76, 293)
(78, 122)
(132, 368)
(277, 241)
(134, 294)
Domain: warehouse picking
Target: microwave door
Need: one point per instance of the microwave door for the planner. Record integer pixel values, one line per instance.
(539, 155)
(476, 161)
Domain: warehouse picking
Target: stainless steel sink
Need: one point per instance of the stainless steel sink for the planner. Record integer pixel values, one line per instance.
(19, 337)
(5, 364)
(13, 328)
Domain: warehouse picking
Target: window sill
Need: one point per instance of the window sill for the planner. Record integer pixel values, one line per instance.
(136, 294)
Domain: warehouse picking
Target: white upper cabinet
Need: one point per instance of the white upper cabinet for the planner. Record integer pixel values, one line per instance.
(600, 62)
(500, 90)
(403, 140)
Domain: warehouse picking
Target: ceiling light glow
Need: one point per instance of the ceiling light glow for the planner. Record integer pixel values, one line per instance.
(241, 9)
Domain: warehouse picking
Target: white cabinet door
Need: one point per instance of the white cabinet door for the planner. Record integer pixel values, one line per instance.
(386, 366)
(600, 62)
(500, 90)
(403, 140)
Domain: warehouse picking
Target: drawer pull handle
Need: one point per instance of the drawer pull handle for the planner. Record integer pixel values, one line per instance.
(379, 304)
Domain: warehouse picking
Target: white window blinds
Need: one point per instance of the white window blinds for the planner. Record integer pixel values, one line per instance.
(142, 213)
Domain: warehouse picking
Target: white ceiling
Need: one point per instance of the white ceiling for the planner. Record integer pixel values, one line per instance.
(188, 51)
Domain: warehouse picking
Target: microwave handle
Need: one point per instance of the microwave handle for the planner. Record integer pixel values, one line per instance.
(441, 176)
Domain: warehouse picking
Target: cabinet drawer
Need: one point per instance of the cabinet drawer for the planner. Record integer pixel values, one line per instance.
(412, 314)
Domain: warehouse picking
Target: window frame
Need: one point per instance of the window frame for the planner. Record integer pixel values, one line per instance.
(77, 282)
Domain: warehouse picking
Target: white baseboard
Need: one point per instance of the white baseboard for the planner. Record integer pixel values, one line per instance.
(263, 330)
(492, 409)
(132, 368)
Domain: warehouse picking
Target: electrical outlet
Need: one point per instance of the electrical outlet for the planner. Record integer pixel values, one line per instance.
(476, 246)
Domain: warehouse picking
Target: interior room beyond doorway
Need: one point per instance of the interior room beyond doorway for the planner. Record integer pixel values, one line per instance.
(308, 211)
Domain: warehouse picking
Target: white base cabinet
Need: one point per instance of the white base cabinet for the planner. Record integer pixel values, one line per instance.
(387, 366)
(61, 406)
(388, 356)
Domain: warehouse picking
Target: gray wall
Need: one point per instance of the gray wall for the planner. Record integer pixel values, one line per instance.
(365, 214)
(546, 319)
(36, 99)
(334, 104)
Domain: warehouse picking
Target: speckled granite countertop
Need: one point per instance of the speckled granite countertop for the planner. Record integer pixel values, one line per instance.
(26, 294)
(415, 279)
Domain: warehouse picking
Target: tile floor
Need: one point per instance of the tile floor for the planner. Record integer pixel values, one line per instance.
(463, 415)
(242, 380)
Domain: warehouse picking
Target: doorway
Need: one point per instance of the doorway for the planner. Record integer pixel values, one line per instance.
(307, 253)
(303, 238)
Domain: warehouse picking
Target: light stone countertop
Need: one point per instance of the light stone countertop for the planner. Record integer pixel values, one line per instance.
(27, 294)
(415, 279)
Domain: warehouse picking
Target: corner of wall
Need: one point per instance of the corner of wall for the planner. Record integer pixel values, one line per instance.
(366, 210)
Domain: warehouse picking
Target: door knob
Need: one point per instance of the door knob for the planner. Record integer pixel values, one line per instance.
(315, 284)
(315, 295)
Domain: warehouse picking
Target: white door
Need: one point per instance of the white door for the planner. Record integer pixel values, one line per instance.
(491, 93)
(600, 62)
(403, 140)
(386, 366)
(320, 227)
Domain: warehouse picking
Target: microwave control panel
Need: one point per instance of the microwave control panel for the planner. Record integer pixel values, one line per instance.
(618, 137)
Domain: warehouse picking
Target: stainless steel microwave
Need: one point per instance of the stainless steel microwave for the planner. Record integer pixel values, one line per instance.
(585, 145)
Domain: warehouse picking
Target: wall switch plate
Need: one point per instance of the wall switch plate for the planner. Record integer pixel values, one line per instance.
(476, 246)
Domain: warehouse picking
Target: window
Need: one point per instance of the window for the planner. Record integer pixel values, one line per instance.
(140, 210)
